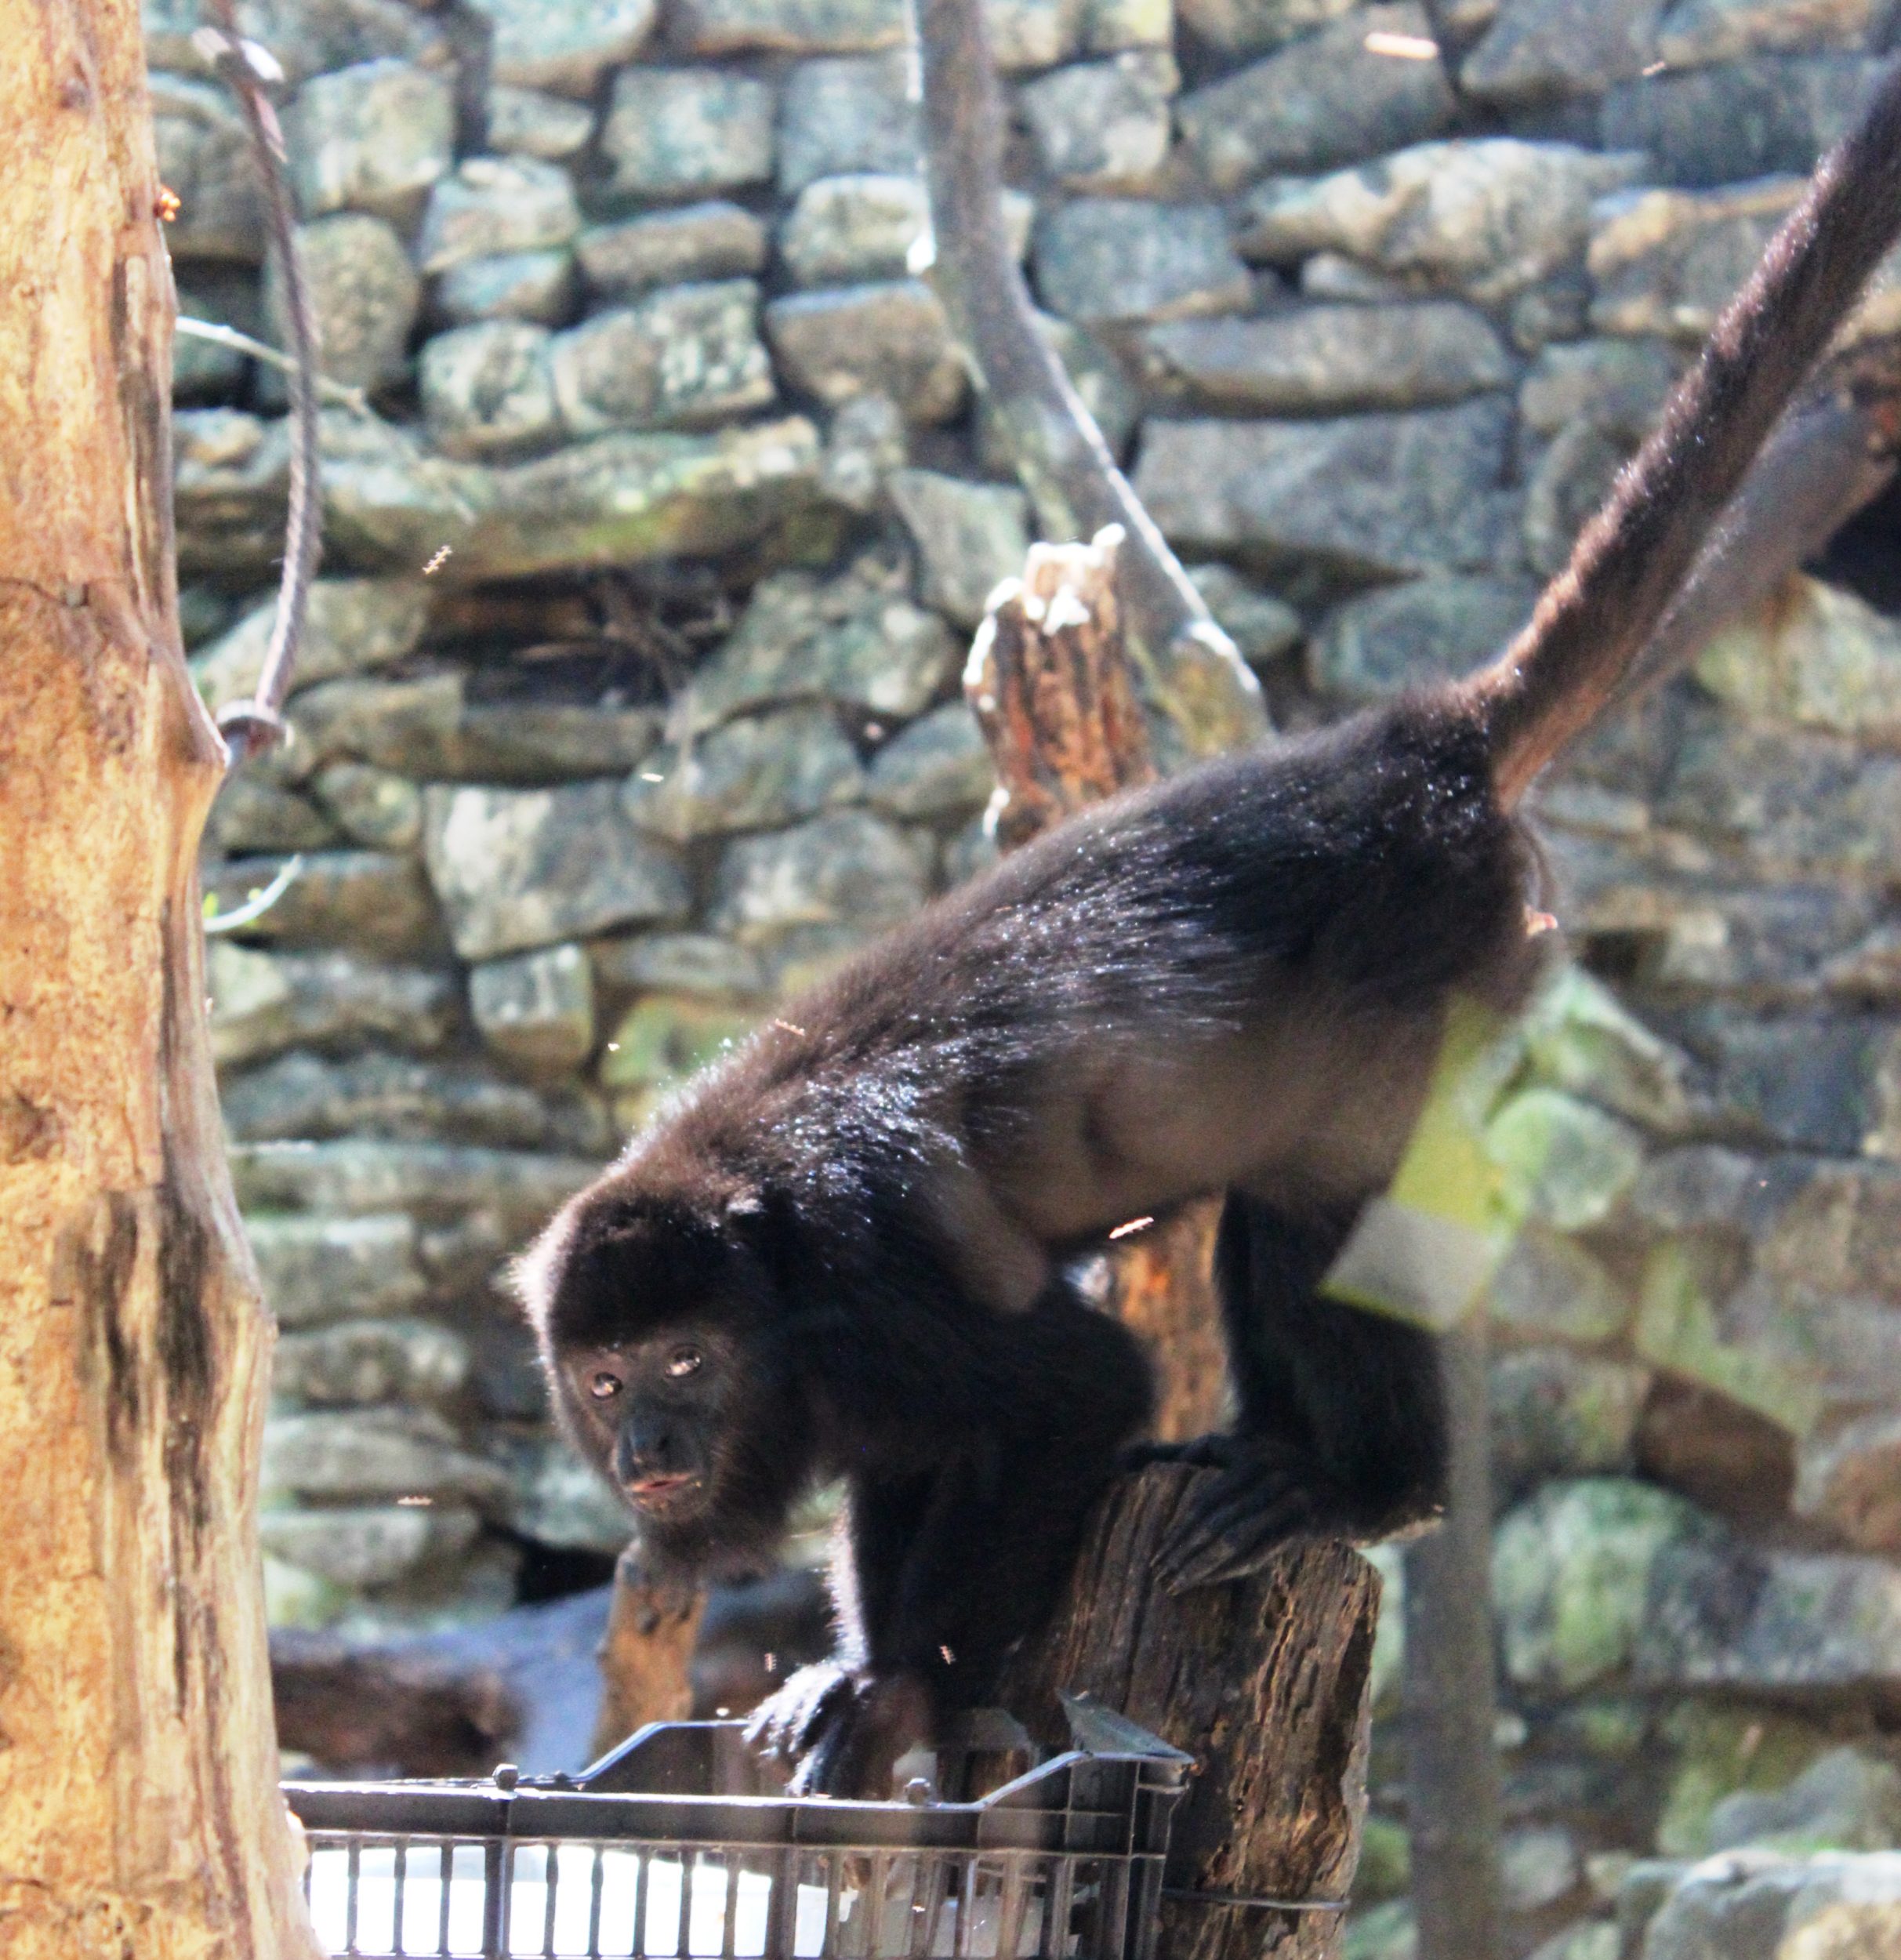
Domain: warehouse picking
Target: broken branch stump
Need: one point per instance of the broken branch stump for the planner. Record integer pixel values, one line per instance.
(646, 1655)
(1265, 1683)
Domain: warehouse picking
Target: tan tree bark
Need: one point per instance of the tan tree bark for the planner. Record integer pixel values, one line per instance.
(139, 1813)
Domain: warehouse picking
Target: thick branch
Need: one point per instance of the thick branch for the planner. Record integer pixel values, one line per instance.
(1190, 666)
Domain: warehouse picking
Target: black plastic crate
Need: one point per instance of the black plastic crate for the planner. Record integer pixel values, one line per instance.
(674, 1848)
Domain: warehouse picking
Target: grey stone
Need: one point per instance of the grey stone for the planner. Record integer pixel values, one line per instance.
(204, 160)
(370, 901)
(1376, 495)
(1385, 1931)
(1549, 1288)
(1809, 1080)
(513, 285)
(1844, 1801)
(890, 339)
(488, 390)
(316, 1269)
(1571, 481)
(853, 640)
(1617, 386)
(1099, 378)
(371, 1454)
(252, 814)
(685, 355)
(969, 537)
(375, 808)
(661, 1041)
(1555, 1414)
(1245, 27)
(848, 869)
(368, 1545)
(972, 852)
(536, 1009)
(787, 27)
(1407, 635)
(565, 45)
(1486, 216)
(1103, 125)
(496, 205)
(1696, 31)
(351, 626)
(529, 122)
(1327, 99)
(679, 132)
(1318, 359)
(938, 767)
(1579, 1037)
(1572, 1569)
(1722, 1615)
(264, 1002)
(360, 1362)
(842, 230)
(1667, 262)
(522, 868)
(403, 1100)
(746, 774)
(373, 137)
(556, 1499)
(619, 499)
(1759, 1905)
(1751, 118)
(1261, 626)
(711, 241)
(866, 441)
(1848, 1477)
(229, 474)
(1102, 258)
(1819, 656)
(1556, 308)
(306, 37)
(365, 295)
(515, 1189)
(204, 612)
(429, 723)
(1576, 1161)
(1537, 1866)
(699, 962)
(1540, 50)
(848, 114)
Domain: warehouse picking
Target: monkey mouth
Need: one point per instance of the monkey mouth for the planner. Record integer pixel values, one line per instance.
(655, 1492)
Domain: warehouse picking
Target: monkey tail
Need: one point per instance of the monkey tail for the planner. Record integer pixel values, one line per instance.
(1593, 620)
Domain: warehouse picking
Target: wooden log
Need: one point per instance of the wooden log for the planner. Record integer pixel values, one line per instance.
(1264, 1682)
(1050, 682)
(647, 1652)
(138, 1806)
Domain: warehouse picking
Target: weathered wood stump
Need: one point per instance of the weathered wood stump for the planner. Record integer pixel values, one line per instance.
(647, 1654)
(1264, 1682)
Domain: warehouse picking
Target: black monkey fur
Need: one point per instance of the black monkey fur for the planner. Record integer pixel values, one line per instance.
(847, 1249)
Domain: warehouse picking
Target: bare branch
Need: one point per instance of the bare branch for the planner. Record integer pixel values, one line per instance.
(1191, 672)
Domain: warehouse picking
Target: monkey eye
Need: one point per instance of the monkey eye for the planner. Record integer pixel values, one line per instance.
(603, 1386)
(682, 1361)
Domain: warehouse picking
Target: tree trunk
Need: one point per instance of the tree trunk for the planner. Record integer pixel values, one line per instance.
(139, 1808)
(1264, 1682)
(1049, 681)
(646, 1655)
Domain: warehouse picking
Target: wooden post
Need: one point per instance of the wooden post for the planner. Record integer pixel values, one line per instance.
(645, 1654)
(1049, 682)
(1264, 1682)
(139, 1808)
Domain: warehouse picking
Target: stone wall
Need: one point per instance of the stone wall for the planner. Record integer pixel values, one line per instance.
(658, 511)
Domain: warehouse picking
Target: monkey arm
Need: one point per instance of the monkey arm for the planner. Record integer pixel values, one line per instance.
(940, 1569)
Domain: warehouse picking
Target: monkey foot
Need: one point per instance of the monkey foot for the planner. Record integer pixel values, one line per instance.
(840, 1731)
(1266, 1497)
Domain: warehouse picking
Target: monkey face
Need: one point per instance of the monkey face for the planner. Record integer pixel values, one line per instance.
(654, 1414)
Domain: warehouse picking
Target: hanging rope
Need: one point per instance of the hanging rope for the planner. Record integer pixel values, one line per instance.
(255, 726)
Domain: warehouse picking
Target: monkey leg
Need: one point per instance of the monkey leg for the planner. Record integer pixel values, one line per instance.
(1341, 1432)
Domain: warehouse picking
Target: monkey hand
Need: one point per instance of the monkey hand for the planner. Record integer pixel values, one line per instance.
(1266, 1497)
(841, 1729)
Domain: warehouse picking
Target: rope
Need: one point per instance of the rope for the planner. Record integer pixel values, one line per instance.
(254, 727)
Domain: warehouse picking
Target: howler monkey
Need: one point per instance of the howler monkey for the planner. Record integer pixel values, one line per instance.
(847, 1249)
